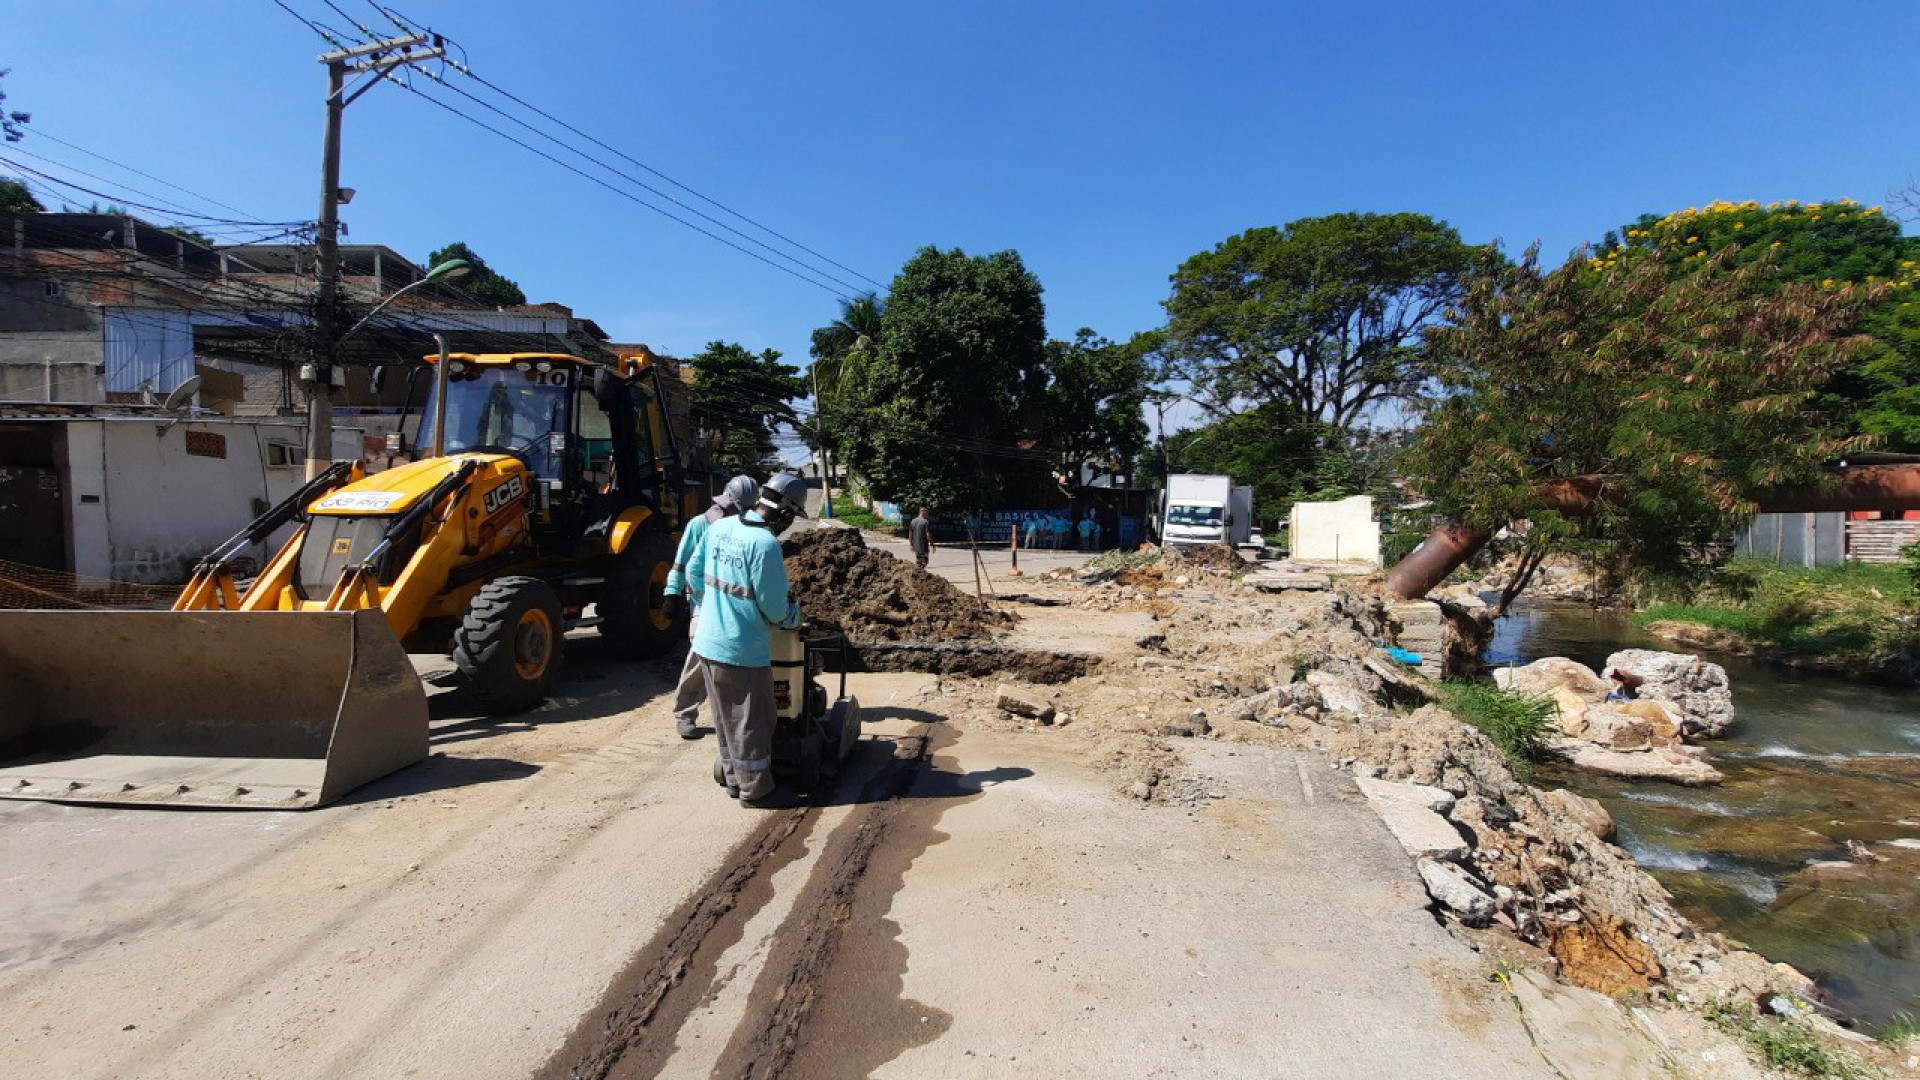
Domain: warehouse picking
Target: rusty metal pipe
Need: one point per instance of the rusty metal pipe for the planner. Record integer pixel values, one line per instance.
(1887, 488)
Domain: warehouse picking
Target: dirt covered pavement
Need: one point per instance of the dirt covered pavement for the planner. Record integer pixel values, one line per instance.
(1169, 875)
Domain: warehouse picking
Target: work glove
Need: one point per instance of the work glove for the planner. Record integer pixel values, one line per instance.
(673, 606)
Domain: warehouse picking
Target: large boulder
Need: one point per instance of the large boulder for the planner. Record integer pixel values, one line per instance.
(1664, 763)
(1614, 728)
(1587, 812)
(1542, 677)
(1570, 711)
(1696, 688)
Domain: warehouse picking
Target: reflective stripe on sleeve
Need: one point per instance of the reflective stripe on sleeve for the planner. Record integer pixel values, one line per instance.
(756, 765)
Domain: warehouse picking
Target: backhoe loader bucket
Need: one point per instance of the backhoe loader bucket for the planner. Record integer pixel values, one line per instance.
(270, 710)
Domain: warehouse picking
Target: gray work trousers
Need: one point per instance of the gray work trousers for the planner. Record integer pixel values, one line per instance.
(691, 691)
(743, 716)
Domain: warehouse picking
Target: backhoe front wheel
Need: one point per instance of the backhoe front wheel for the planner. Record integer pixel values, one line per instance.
(509, 644)
(631, 622)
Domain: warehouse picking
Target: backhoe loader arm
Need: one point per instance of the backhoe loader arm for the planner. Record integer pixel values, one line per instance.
(355, 589)
(212, 585)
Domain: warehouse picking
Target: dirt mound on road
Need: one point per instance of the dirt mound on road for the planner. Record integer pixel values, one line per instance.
(1215, 557)
(872, 596)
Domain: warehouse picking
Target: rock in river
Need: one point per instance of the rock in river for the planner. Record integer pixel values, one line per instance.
(1697, 688)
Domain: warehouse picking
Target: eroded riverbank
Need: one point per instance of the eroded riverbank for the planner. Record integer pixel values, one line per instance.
(1810, 850)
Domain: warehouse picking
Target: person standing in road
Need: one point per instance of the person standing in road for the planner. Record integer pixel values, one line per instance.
(1086, 533)
(745, 597)
(683, 597)
(920, 537)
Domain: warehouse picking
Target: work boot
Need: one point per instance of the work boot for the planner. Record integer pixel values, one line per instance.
(778, 799)
(689, 728)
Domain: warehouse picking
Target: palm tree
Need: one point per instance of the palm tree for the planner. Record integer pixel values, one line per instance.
(857, 329)
(835, 347)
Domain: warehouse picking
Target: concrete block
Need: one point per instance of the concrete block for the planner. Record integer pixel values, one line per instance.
(1407, 810)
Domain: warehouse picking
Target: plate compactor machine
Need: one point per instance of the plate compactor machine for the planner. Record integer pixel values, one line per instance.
(812, 737)
(546, 486)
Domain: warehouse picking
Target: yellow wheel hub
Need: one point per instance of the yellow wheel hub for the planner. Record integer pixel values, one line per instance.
(533, 644)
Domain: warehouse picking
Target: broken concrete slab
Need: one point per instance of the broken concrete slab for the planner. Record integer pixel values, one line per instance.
(1584, 1033)
(1282, 582)
(1454, 889)
(1013, 700)
(1407, 810)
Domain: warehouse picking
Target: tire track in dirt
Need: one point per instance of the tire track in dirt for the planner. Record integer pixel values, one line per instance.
(634, 1030)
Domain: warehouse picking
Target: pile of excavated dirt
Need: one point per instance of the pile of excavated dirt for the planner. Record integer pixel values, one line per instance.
(1216, 558)
(871, 596)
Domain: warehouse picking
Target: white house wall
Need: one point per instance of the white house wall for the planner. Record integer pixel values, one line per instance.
(1343, 531)
(166, 508)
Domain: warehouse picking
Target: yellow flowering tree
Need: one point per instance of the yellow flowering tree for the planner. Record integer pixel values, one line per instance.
(1826, 244)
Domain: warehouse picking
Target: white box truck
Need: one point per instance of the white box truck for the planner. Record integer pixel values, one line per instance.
(1205, 509)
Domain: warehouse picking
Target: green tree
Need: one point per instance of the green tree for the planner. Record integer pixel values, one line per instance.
(13, 125)
(936, 412)
(16, 199)
(856, 330)
(483, 283)
(1830, 245)
(1654, 398)
(1322, 317)
(1090, 409)
(739, 399)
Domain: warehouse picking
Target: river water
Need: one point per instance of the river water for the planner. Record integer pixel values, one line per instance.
(1813, 763)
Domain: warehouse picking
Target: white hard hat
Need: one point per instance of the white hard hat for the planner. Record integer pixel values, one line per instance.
(785, 491)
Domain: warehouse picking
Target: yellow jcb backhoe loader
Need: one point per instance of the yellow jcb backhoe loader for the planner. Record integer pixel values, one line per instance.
(546, 485)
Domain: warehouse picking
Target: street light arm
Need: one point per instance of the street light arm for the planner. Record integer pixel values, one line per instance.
(452, 268)
(380, 307)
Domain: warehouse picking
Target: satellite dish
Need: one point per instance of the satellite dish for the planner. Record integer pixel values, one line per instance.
(183, 394)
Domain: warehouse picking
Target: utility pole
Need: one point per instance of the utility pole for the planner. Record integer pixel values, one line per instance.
(373, 61)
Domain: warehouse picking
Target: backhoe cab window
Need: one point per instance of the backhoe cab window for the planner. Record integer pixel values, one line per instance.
(506, 410)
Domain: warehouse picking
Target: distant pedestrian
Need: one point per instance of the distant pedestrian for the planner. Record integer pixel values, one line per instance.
(1086, 534)
(920, 537)
(1096, 533)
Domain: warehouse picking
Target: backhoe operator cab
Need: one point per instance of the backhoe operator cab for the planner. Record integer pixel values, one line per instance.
(589, 438)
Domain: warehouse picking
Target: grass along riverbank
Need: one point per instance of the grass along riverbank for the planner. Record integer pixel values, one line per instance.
(1856, 619)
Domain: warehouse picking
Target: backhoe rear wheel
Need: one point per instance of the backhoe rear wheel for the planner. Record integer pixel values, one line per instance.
(631, 624)
(510, 643)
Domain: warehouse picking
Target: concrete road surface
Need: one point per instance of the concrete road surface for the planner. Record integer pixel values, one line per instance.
(568, 893)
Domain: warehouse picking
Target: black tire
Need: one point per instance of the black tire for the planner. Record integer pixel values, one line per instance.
(510, 644)
(631, 624)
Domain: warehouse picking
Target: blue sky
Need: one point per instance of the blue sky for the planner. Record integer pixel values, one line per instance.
(1104, 141)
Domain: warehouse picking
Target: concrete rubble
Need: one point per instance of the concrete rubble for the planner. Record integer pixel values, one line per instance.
(1305, 669)
(1409, 811)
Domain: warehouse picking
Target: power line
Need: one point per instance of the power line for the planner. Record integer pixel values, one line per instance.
(630, 159)
(530, 148)
(40, 132)
(646, 186)
(810, 272)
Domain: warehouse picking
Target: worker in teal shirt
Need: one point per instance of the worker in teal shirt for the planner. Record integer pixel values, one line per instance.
(682, 597)
(744, 596)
